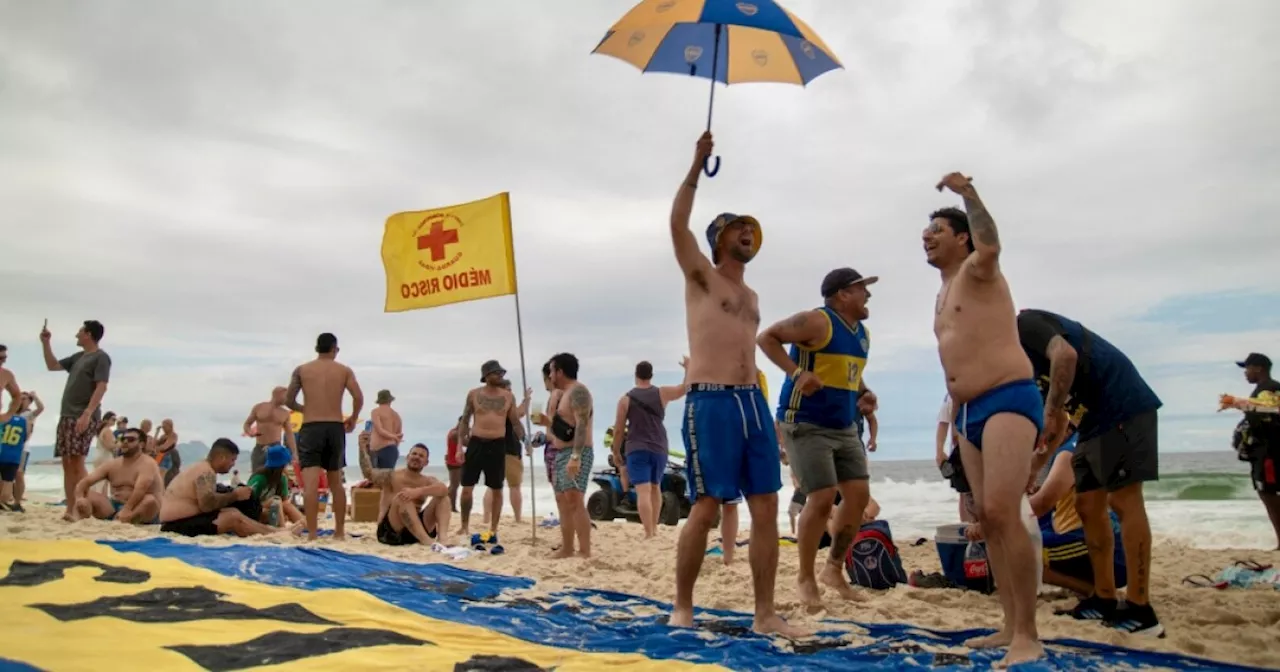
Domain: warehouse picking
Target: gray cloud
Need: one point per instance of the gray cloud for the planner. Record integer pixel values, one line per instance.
(211, 179)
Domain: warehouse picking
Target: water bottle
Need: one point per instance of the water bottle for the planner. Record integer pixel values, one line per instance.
(977, 575)
(1032, 524)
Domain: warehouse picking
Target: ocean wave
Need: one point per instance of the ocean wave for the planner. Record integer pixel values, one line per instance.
(1202, 486)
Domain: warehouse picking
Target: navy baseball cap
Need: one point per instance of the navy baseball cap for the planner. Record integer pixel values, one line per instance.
(722, 222)
(843, 278)
(1255, 359)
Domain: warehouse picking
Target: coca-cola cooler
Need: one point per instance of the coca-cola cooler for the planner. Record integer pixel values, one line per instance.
(951, 544)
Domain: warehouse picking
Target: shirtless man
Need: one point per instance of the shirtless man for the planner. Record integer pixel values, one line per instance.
(137, 486)
(730, 443)
(387, 433)
(167, 451)
(192, 505)
(322, 441)
(491, 406)
(405, 516)
(271, 419)
(516, 449)
(997, 406)
(9, 384)
(571, 432)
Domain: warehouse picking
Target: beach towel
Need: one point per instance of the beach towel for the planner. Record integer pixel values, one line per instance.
(1240, 574)
(174, 606)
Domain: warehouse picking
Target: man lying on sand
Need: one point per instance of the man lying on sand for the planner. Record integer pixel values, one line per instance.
(402, 518)
(137, 486)
(193, 507)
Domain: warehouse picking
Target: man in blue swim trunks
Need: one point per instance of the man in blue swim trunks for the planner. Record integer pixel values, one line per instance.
(137, 485)
(1091, 382)
(641, 412)
(997, 406)
(730, 444)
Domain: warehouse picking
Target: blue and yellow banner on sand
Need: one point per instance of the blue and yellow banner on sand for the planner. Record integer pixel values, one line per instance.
(449, 255)
(161, 605)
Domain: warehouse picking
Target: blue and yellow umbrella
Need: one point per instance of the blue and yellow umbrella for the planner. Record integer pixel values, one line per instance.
(727, 41)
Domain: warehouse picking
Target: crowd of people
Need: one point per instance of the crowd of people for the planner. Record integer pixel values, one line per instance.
(1037, 405)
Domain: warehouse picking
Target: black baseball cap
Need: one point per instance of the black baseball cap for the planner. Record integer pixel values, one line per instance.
(1256, 359)
(843, 278)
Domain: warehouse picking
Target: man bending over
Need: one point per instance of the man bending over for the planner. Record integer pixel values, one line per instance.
(193, 507)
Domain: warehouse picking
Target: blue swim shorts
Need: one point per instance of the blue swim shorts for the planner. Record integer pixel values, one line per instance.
(646, 466)
(1020, 397)
(731, 449)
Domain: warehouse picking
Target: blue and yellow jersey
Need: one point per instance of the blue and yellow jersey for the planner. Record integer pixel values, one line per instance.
(13, 438)
(838, 362)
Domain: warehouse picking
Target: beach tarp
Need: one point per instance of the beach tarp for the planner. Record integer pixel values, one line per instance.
(178, 606)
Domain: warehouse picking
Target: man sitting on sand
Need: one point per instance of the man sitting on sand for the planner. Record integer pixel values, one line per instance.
(414, 508)
(137, 486)
(193, 507)
(1066, 554)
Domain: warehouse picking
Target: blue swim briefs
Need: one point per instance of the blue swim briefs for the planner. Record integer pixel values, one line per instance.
(1020, 397)
(731, 449)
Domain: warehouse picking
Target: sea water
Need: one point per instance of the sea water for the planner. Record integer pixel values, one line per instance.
(1202, 499)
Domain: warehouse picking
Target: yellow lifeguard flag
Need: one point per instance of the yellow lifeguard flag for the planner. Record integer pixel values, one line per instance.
(449, 255)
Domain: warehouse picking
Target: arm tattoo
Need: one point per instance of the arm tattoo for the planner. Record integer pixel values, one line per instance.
(464, 425)
(295, 386)
(980, 222)
(378, 477)
(1062, 373)
(207, 496)
(580, 402)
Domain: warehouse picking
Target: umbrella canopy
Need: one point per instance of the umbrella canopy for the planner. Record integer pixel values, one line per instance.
(729, 41)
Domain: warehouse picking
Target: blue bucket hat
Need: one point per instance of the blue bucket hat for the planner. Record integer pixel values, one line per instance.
(277, 457)
(722, 222)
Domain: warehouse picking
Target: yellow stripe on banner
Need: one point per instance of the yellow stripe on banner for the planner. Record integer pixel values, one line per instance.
(660, 13)
(635, 46)
(812, 37)
(163, 614)
(759, 56)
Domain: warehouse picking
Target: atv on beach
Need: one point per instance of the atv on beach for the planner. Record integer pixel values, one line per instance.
(610, 502)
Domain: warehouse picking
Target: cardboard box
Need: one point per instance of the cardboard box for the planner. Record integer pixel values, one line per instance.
(364, 504)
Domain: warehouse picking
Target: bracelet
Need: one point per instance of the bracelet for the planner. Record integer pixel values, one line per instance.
(691, 185)
(795, 374)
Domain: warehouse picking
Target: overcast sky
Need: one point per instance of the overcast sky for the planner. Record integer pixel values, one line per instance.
(211, 179)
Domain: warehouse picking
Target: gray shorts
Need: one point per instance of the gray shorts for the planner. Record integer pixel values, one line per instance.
(822, 458)
(1125, 454)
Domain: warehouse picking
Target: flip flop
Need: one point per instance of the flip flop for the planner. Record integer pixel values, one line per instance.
(1203, 581)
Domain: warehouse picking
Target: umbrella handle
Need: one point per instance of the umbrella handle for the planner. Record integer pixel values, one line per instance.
(710, 169)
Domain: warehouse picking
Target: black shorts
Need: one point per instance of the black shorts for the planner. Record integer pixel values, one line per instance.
(1264, 470)
(1125, 454)
(322, 444)
(953, 470)
(388, 535)
(488, 457)
(199, 525)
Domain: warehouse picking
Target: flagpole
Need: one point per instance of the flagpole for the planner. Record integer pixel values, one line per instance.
(524, 385)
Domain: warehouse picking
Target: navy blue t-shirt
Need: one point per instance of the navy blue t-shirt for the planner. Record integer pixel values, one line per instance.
(1107, 389)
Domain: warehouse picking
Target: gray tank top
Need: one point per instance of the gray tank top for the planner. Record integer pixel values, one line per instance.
(645, 430)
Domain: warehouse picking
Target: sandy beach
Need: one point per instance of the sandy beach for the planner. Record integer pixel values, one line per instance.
(1238, 626)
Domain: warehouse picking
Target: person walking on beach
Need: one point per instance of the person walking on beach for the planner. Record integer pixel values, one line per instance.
(998, 409)
(136, 486)
(513, 472)
(491, 406)
(192, 505)
(167, 451)
(388, 432)
(88, 373)
(729, 441)
(571, 429)
(1088, 382)
(322, 440)
(640, 415)
(818, 412)
(268, 424)
(453, 462)
(413, 507)
(1263, 446)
